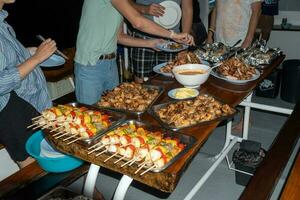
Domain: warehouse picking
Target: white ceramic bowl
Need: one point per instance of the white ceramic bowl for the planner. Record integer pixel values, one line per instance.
(191, 80)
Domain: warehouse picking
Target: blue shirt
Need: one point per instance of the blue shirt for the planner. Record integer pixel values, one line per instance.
(33, 87)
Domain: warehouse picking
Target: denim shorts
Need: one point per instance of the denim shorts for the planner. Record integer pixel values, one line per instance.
(92, 80)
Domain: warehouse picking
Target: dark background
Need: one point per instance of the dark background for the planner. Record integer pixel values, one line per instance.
(58, 19)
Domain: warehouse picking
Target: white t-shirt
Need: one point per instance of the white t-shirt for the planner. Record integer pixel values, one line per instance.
(232, 20)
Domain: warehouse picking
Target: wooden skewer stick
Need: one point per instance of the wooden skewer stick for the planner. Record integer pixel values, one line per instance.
(56, 129)
(74, 140)
(37, 117)
(133, 162)
(93, 146)
(58, 133)
(67, 138)
(102, 152)
(39, 126)
(141, 167)
(129, 161)
(96, 149)
(62, 135)
(34, 124)
(142, 163)
(111, 156)
(119, 159)
(147, 170)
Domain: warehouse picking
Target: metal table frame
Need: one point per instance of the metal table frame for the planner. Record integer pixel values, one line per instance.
(230, 141)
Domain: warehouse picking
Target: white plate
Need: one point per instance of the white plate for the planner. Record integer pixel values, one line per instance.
(171, 16)
(239, 82)
(48, 151)
(53, 61)
(165, 47)
(157, 69)
(171, 93)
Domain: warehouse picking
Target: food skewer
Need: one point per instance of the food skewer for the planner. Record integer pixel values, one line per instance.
(147, 170)
(102, 152)
(34, 124)
(129, 161)
(67, 138)
(74, 140)
(111, 156)
(94, 146)
(58, 133)
(120, 159)
(39, 126)
(62, 135)
(57, 128)
(95, 149)
(37, 117)
(140, 167)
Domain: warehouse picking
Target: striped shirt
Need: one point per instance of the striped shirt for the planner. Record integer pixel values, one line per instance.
(33, 87)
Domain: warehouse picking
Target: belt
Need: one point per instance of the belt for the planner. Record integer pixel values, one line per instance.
(107, 56)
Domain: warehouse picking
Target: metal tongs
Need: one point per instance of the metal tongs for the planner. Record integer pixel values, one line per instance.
(57, 51)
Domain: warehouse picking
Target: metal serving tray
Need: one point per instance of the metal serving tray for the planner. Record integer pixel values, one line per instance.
(155, 108)
(160, 91)
(115, 119)
(184, 139)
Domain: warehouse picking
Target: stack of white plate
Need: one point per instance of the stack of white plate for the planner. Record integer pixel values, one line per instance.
(48, 151)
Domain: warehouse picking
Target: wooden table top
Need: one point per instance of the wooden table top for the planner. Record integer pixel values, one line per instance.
(167, 180)
(291, 189)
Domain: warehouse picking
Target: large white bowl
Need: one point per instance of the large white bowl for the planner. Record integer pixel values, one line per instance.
(194, 80)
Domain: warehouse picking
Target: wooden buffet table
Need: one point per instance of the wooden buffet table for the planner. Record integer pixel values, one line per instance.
(167, 180)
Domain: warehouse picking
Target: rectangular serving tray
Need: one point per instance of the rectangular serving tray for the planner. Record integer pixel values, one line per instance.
(184, 139)
(155, 108)
(160, 91)
(116, 118)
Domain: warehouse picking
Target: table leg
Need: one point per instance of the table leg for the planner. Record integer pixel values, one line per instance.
(247, 117)
(90, 182)
(228, 137)
(122, 187)
(211, 169)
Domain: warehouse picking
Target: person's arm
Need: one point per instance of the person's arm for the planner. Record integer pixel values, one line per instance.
(11, 76)
(145, 25)
(152, 9)
(256, 10)
(128, 40)
(187, 15)
(212, 25)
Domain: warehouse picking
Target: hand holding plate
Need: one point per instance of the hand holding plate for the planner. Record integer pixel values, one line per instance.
(156, 10)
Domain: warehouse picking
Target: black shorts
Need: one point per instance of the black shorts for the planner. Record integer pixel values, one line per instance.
(14, 118)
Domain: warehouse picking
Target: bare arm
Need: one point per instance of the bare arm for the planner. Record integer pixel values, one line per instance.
(212, 25)
(127, 40)
(143, 24)
(187, 15)
(45, 50)
(256, 10)
(152, 9)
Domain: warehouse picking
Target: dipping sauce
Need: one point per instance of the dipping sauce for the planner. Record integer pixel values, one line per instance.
(191, 71)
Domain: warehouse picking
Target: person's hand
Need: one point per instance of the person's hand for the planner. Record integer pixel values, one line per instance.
(209, 39)
(45, 50)
(184, 38)
(156, 10)
(246, 43)
(153, 43)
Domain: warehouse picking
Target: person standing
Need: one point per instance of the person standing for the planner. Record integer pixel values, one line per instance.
(23, 89)
(269, 8)
(100, 30)
(144, 59)
(233, 20)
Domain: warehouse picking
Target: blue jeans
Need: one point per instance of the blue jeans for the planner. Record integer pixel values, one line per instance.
(92, 80)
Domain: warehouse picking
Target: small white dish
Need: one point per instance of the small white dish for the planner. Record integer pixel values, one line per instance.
(183, 93)
(165, 46)
(171, 16)
(53, 61)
